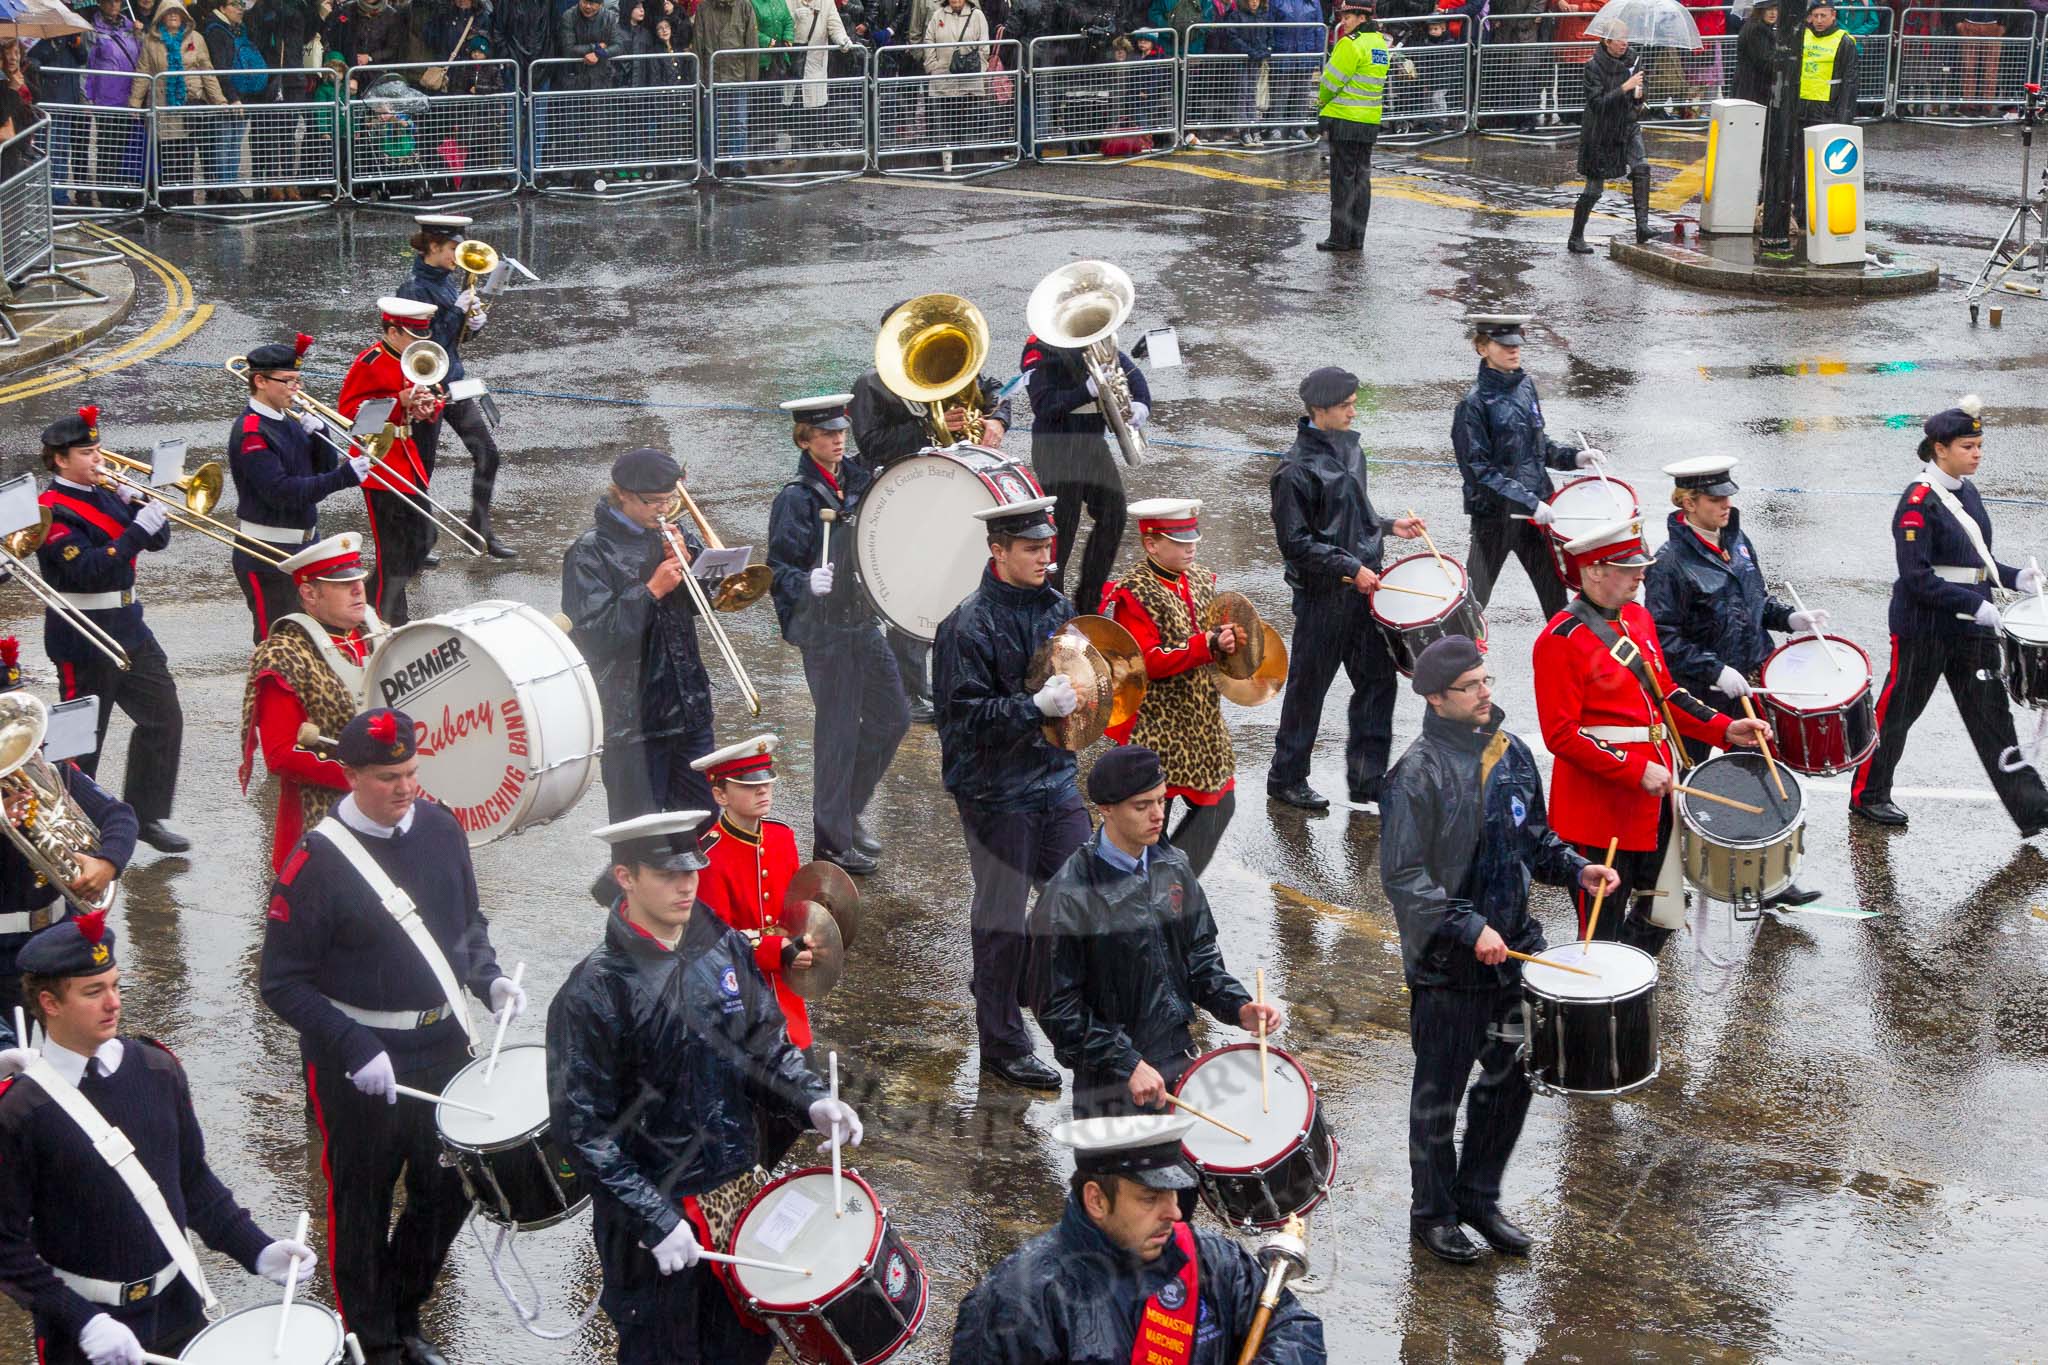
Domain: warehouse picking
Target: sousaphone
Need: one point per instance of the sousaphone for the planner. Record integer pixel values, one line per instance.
(1103, 662)
(1254, 674)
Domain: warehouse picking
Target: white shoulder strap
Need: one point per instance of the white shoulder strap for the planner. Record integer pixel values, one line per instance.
(1970, 528)
(400, 907)
(346, 669)
(118, 1152)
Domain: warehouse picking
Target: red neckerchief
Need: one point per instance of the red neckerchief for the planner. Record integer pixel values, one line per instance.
(1711, 545)
(351, 644)
(85, 511)
(827, 475)
(1166, 1335)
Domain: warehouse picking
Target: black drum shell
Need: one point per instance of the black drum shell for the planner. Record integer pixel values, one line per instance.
(863, 1324)
(525, 1183)
(1592, 1047)
(1268, 1197)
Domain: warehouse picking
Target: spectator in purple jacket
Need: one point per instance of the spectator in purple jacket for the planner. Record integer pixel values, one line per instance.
(117, 138)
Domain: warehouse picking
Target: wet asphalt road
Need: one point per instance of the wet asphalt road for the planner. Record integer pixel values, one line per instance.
(1837, 1162)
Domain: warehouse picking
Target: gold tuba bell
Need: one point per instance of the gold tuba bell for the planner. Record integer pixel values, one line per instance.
(475, 259)
(930, 352)
(54, 831)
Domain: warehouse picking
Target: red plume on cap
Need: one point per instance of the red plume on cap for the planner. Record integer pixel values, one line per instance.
(384, 727)
(92, 927)
(91, 415)
(10, 651)
(302, 343)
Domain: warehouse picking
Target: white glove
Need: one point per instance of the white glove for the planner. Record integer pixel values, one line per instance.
(106, 1342)
(15, 1060)
(1987, 616)
(310, 424)
(2029, 580)
(1815, 621)
(361, 464)
(835, 1117)
(821, 581)
(1141, 413)
(125, 493)
(1589, 457)
(678, 1250)
(476, 320)
(1091, 387)
(1057, 698)
(377, 1078)
(274, 1262)
(466, 300)
(503, 989)
(1731, 684)
(1544, 514)
(152, 518)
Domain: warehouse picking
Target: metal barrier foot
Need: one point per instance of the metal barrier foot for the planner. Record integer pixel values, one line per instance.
(56, 279)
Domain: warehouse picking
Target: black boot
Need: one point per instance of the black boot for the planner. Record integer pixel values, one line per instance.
(1639, 188)
(1581, 211)
(480, 522)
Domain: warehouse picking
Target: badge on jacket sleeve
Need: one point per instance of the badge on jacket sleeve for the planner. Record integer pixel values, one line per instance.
(729, 987)
(1518, 810)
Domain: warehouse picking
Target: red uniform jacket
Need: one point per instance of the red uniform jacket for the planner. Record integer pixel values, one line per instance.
(745, 884)
(376, 374)
(279, 714)
(1596, 788)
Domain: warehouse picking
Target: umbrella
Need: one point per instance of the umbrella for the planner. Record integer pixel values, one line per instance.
(1646, 23)
(39, 19)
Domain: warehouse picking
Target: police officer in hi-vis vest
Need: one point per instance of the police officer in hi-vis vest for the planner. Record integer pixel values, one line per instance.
(1348, 102)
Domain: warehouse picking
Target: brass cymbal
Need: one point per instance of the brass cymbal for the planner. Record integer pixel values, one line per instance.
(828, 885)
(1106, 667)
(828, 953)
(1265, 684)
(1234, 608)
(741, 590)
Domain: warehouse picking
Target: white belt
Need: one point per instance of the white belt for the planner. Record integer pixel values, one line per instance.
(29, 921)
(114, 1293)
(1087, 407)
(1621, 734)
(394, 1019)
(99, 601)
(1959, 573)
(282, 535)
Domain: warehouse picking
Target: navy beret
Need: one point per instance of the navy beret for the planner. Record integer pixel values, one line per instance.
(379, 735)
(1122, 773)
(647, 470)
(1438, 666)
(82, 945)
(1328, 386)
(81, 428)
(277, 355)
(1965, 419)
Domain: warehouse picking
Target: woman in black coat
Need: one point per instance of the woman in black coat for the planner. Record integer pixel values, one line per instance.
(1611, 139)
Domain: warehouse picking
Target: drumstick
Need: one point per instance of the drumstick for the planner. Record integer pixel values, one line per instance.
(1782, 692)
(1599, 468)
(1600, 895)
(1548, 962)
(1826, 647)
(504, 1018)
(1412, 592)
(1769, 762)
(1434, 553)
(827, 516)
(431, 1098)
(20, 1027)
(1743, 806)
(838, 1204)
(724, 1259)
(1265, 1086)
(2038, 587)
(1179, 1103)
(291, 1287)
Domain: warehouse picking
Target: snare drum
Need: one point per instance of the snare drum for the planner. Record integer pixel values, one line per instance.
(865, 1297)
(509, 1163)
(2023, 650)
(1817, 700)
(1729, 854)
(1420, 601)
(917, 548)
(1583, 506)
(1591, 1035)
(507, 717)
(1291, 1161)
(315, 1337)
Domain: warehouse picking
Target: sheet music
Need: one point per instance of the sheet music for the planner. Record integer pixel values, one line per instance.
(167, 461)
(18, 506)
(73, 729)
(711, 565)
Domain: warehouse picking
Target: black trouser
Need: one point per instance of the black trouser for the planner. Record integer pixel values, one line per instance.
(402, 537)
(649, 775)
(1201, 829)
(1333, 627)
(860, 717)
(1350, 183)
(913, 660)
(1625, 911)
(269, 593)
(1449, 1032)
(691, 1322)
(149, 698)
(467, 418)
(1078, 469)
(383, 1275)
(1493, 540)
(1011, 853)
(1971, 665)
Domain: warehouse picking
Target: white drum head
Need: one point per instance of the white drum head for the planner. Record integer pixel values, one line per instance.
(1815, 676)
(1446, 581)
(1623, 971)
(1226, 1084)
(517, 1098)
(313, 1338)
(1586, 505)
(2026, 619)
(916, 542)
(793, 1224)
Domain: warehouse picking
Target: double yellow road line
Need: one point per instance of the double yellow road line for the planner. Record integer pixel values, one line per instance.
(181, 317)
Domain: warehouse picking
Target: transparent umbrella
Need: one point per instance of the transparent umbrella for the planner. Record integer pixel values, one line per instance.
(32, 19)
(1646, 23)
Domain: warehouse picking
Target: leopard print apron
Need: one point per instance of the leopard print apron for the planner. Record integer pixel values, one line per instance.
(1182, 716)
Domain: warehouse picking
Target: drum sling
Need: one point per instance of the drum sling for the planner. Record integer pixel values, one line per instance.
(118, 1152)
(1166, 1324)
(400, 907)
(1969, 525)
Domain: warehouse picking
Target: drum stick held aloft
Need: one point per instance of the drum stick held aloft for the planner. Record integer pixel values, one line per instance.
(1769, 761)
(724, 1259)
(1265, 1085)
(1719, 799)
(1826, 645)
(1551, 962)
(1599, 896)
(1434, 553)
(291, 1288)
(1182, 1105)
(838, 1202)
(430, 1097)
(504, 1018)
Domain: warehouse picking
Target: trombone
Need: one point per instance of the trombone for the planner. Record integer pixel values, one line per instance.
(202, 489)
(425, 364)
(736, 591)
(698, 600)
(15, 547)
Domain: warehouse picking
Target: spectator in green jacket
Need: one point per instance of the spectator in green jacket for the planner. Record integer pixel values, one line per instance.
(1858, 17)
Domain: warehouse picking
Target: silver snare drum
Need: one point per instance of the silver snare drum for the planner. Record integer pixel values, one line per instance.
(315, 1337)
(1732, 855)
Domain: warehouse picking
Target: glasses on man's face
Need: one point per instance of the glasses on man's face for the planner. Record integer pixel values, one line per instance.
(1474, 688)
(290, 381)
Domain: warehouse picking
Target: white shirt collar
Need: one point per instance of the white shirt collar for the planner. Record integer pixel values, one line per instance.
(350, 814)
(1935, 474)
(71, 1066)
(266, 409)
(81, 487)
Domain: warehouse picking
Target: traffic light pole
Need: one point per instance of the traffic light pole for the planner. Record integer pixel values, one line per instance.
(1781, 133)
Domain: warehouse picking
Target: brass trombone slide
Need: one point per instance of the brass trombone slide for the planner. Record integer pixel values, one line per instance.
(736, 592)
(711, 623)
(14, 549)
(202, 489)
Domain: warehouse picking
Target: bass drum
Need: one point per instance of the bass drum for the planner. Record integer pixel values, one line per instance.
(917, 547)
(506, 716)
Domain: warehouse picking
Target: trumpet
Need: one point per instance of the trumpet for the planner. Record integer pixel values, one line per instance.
(53, 833)
(1078, 308)
(15, 548)
(735, 591)
(703, 606)
(929, 354)
(202, 490)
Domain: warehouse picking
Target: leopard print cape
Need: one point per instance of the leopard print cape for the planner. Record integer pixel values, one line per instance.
(289, 655)
(1182, 716)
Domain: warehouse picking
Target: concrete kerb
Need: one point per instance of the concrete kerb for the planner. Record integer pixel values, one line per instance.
(46, 336)
(1727, 265)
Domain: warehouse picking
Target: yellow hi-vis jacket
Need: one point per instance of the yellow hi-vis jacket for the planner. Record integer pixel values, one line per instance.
(1817, 66)
(1354, 82)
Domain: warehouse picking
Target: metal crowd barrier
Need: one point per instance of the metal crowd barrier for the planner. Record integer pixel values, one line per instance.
(1519, 89)
(461, 144)
(1429, 86)
(99, 153)
(1960, 78)
(789, 132)
(1224, 98)
(952, 125)
(1876, 61)
(1115, 111)
(28, 230)
(236, 161)
(634, 136)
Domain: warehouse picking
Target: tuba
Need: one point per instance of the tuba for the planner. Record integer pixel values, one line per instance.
(929, 354)
(1078, 308)
(54, 831)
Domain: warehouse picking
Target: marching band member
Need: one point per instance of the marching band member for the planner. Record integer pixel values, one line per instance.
(1333, 543)
(458, 316)
(309, 668)
(666, 1061)
(749, 861)
(1014, 789)
(622, 590)
(1072, 459)
(857, 702)
(1122, 1277)
(104, 1279)
(377, 1002)
(1133, 950)
(1606, 703)
(1503, 453)
(89, 557)
(1161, 602)
(28, 901)
(403, 535)
(282, 466)
(1944, 625)
(1462, 832)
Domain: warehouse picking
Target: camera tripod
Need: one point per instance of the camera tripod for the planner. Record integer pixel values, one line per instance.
(2014, 255)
